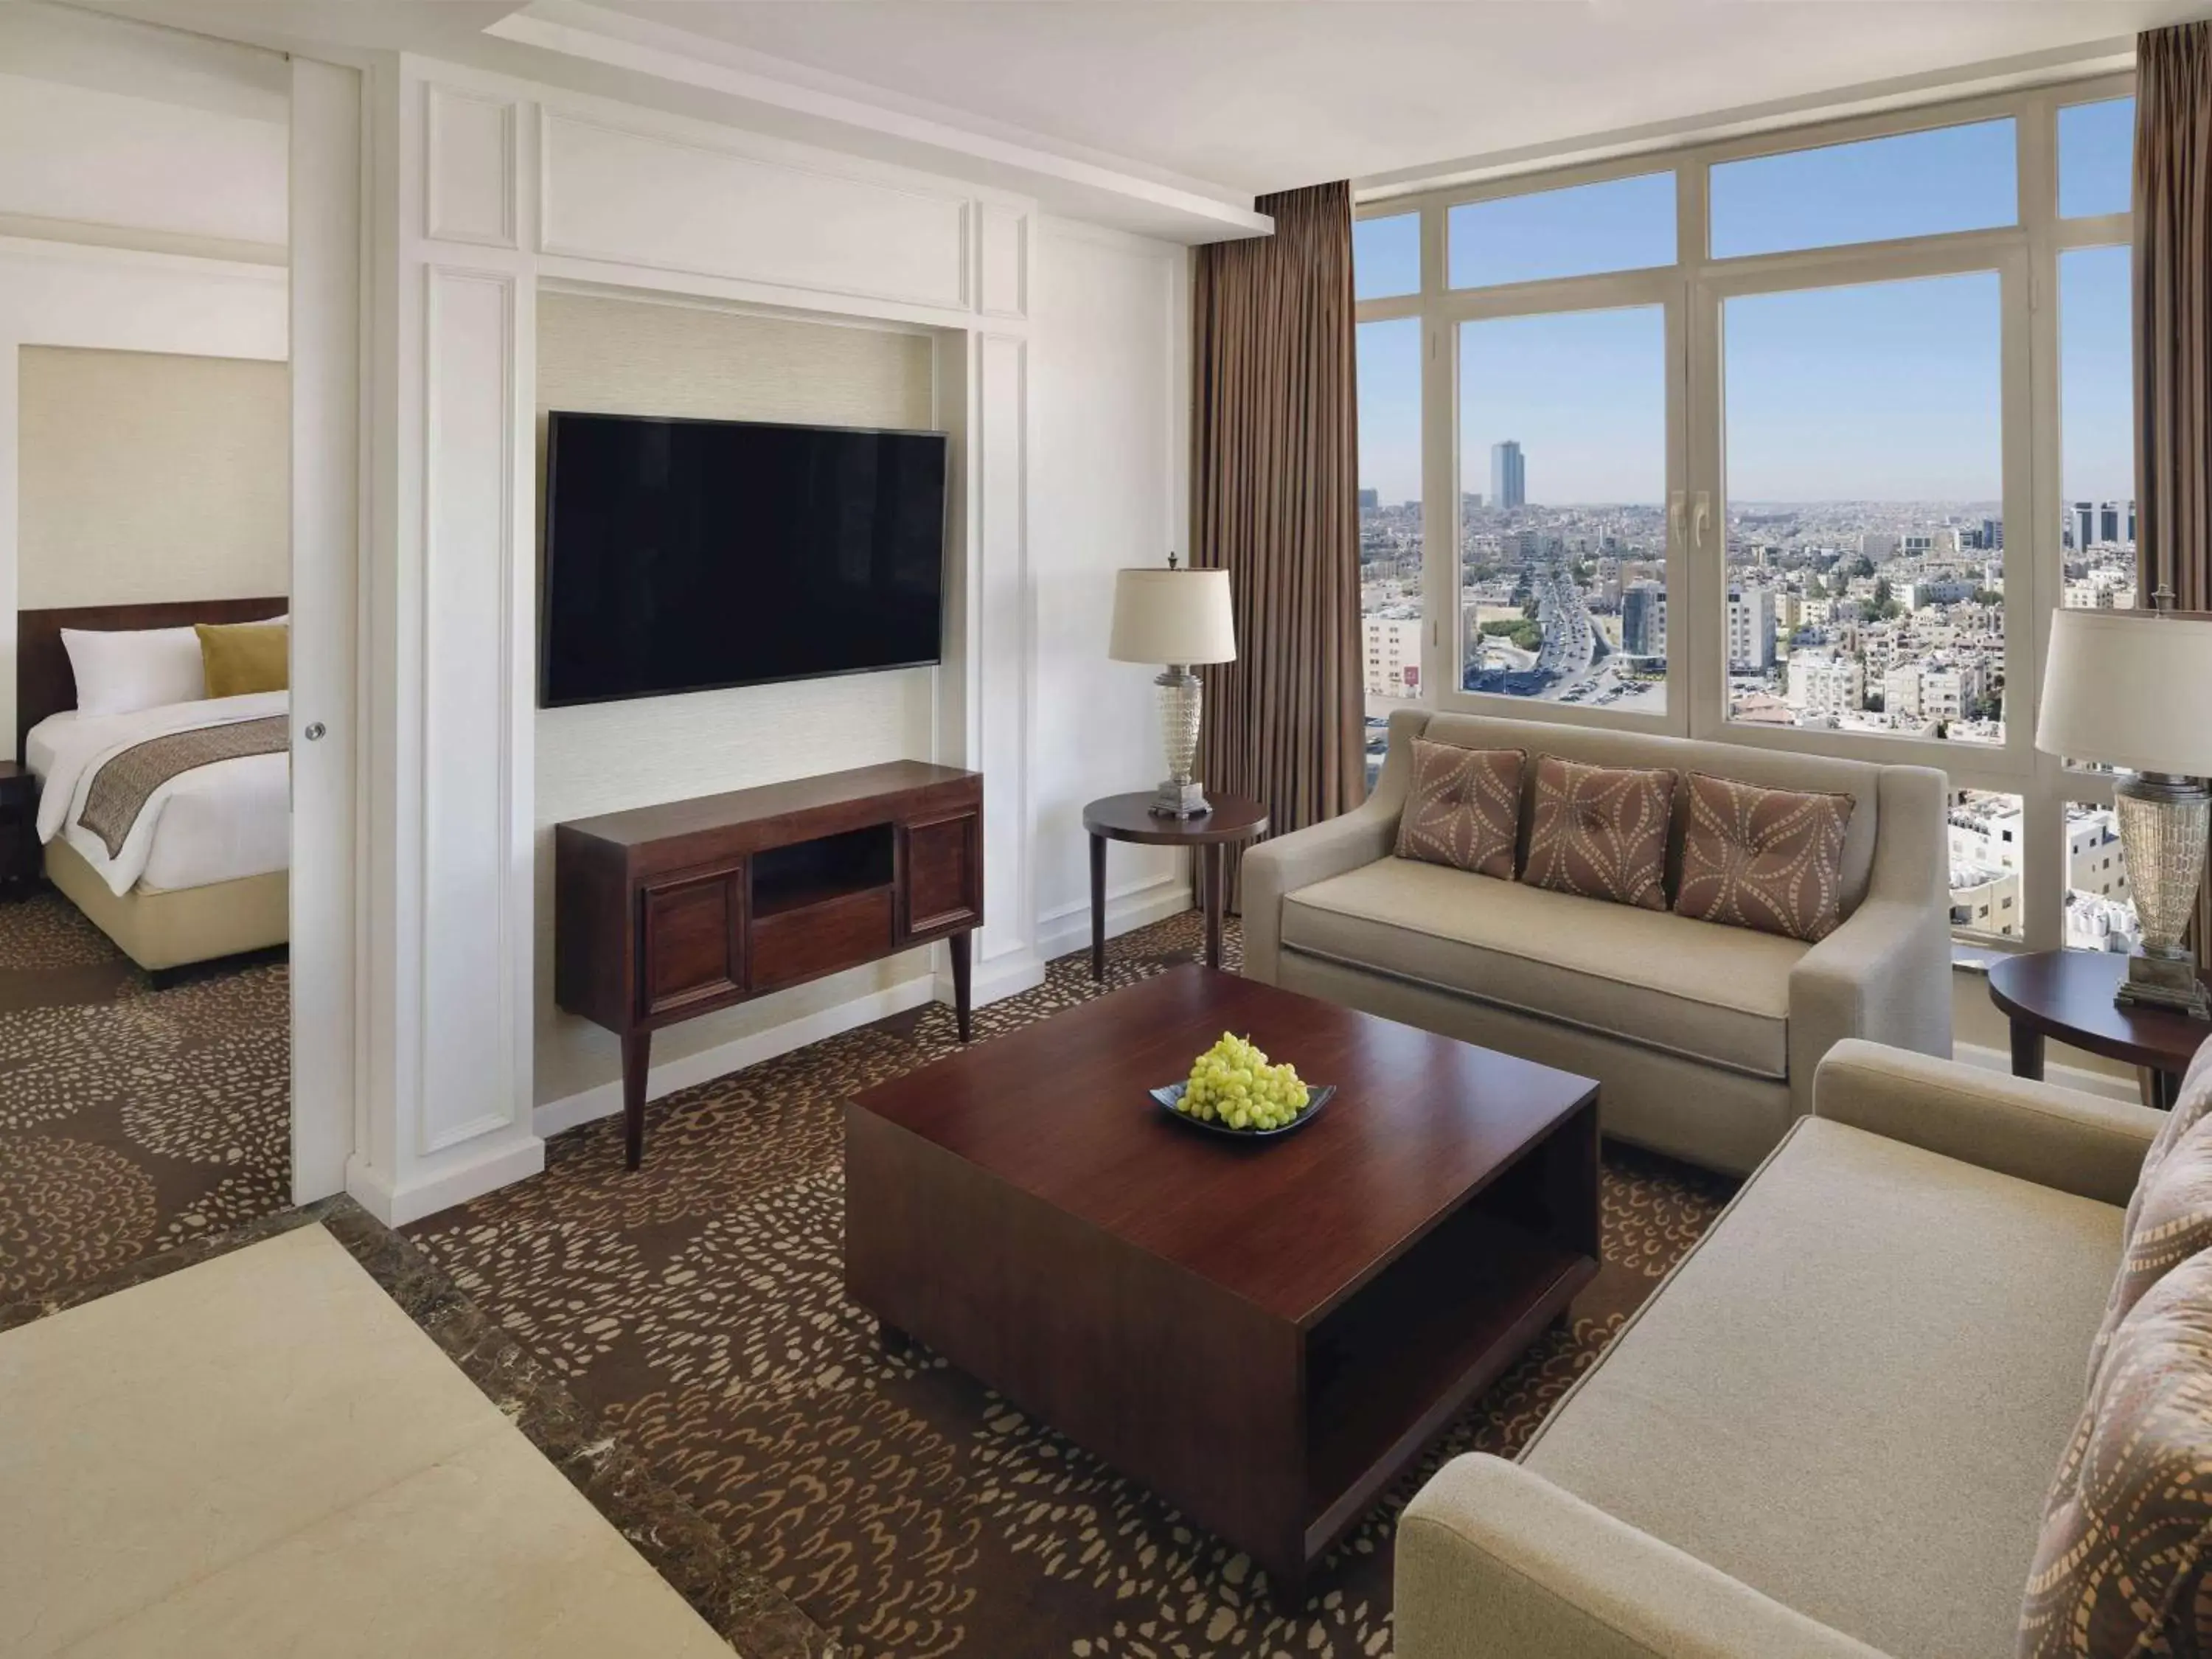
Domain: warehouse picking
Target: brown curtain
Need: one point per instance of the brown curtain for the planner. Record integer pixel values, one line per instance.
(1275, 462)
(2173, 328)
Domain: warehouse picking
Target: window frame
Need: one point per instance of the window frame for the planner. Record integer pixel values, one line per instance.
(1693, 293)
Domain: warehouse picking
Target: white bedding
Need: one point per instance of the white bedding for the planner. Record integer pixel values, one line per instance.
(213, 823)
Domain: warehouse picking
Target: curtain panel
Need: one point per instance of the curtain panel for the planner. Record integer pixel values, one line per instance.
(2173, 329)
(1274, 465)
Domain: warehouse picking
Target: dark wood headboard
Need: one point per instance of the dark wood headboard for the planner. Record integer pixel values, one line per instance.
(44, 683)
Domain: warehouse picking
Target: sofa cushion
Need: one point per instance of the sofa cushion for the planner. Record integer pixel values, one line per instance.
(1720, 995)
(2191, 1105)
(2169, 1220)
(1768, 859)
(1771, 768)
(1601, 831)
(2124, 1565)
(1463, 808)
(1851, 1394)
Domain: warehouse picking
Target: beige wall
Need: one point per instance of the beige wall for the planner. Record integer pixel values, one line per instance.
(621, 356)
(147, 477)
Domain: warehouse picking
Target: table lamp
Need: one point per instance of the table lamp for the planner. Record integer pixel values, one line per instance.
(2134, 689)
(1178, 617)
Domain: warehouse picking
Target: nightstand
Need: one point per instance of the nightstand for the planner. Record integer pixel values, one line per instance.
(19, 831)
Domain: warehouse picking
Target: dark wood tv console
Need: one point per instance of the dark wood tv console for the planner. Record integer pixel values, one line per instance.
(663, 913)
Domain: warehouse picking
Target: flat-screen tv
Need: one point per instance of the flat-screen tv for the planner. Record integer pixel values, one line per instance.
(685, 556)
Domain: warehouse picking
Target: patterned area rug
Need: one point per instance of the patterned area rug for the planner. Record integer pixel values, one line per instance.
(698, 1307)
(132, 1120)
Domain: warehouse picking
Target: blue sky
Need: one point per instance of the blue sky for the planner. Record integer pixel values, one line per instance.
(1881, 392)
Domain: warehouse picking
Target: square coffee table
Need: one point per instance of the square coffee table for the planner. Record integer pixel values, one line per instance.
(1264, 1333)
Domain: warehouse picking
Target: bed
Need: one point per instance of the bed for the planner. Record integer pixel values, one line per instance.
(197, 865)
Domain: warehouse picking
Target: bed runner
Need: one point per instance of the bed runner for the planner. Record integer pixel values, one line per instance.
(127, 781)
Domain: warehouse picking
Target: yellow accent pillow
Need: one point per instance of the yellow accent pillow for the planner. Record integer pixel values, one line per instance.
(241, 658)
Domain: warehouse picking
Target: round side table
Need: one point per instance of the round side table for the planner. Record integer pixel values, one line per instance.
(2067, 994)
(1130, 818)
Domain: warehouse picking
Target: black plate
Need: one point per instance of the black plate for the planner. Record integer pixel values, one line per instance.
(1318, 1094)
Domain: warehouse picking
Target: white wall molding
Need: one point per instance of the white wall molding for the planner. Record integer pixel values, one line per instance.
(469, 167)
(1002, 674)
(455, 1180)
(606, 1100)
(453, 584)
(611, 192)
(1002, 262)
(1088, 182)
(1067, 926)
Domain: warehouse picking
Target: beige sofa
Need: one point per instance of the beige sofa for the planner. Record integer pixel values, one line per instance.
(1703, 1036)
(1831, 1431)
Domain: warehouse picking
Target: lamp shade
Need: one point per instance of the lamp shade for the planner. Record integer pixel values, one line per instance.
(2132, 688)
(1172, 616)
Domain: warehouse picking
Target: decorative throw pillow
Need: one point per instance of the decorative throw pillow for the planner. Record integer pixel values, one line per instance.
(1768, 859)
(2125, 1562)
(1601, 831)
(2169, 1220)
(1464, 809)
(242, 658)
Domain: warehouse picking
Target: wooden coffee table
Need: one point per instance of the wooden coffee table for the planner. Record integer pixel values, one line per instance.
(1263, 1332)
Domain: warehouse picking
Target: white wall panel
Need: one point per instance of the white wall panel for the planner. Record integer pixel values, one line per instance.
(1005, 669)
(631, 358)
(468, 194)
(606, 199)
(623, 196)
(466, 930)
(1110, 380)
(1004, 262)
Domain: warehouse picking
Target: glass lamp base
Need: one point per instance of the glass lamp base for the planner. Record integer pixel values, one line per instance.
(2168, 982)
(1180, 800)
(2165, 821)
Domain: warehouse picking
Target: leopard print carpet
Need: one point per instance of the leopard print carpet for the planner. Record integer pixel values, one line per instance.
(132, 1120)
(698, 1307)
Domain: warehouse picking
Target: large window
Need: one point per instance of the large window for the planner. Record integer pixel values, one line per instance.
(1865, 471)
(1754, 442)
(1563, 562)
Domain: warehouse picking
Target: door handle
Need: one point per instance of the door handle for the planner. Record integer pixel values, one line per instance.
(1674, 518)
(314, 732)
(1701, 522)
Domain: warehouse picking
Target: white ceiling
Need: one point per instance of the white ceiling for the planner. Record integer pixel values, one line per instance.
(1264, 94)
(1170, 115)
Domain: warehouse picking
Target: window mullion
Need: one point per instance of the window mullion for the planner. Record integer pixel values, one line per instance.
(2034, 574)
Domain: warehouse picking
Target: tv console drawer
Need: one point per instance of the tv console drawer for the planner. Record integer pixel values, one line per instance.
(819, 939)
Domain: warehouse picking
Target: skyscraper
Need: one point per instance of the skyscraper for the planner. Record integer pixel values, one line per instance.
(2084, 515)
(1508, 482)
(1644, 620)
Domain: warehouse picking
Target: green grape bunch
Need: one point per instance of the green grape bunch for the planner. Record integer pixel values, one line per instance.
(1232, 1083)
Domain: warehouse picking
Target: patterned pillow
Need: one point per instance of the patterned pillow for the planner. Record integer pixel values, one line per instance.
(1464, 809)
(1768, 859)
(2169, 1220)
(1601, 831)
(2125, 1562)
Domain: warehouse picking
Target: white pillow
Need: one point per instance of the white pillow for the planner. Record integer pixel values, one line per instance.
(119, 673)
